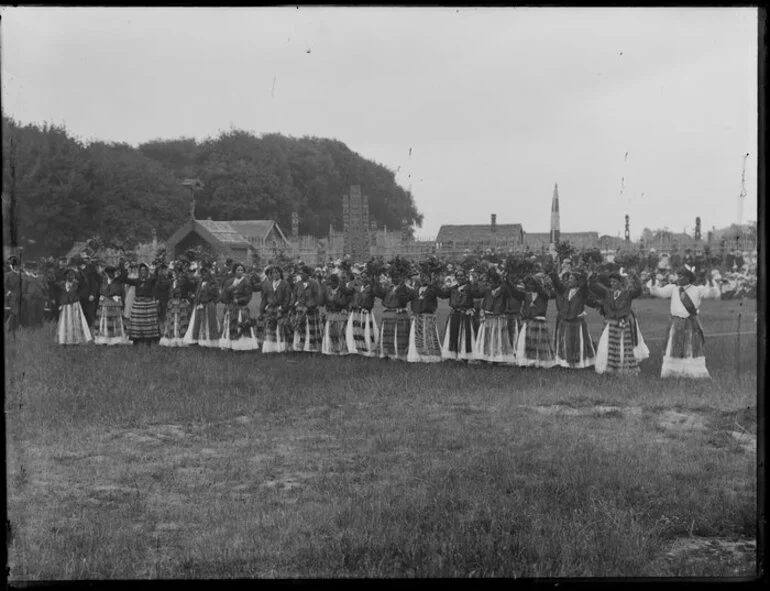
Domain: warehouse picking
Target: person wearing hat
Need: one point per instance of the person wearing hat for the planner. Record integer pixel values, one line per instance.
(131, 270)
(493, 341)
(143, 327)
(204, 329)
(88, 287)
(73, 328)
(460, 331)
(274, 308)
(337, 297)
(34, 296)
(685, 354)
(362, 333)
(424, 338)
(394, 328)
(621, 347)
(238, 332)
(534, 347)
(109, 329)
(306, 301)
(574, 347)
(180, 289)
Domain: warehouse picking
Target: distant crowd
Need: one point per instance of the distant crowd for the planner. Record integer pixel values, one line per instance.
(497, 302)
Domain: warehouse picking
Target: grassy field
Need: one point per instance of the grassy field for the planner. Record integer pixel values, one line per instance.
(155, 463)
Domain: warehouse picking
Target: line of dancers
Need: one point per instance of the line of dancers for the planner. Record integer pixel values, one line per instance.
(495, 319)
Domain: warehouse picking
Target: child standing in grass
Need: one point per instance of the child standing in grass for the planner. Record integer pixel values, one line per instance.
(109, 315)
(73, 326)
(685, 355)
(533, 347)
(204, 328)
(574, 347)
(621, 346)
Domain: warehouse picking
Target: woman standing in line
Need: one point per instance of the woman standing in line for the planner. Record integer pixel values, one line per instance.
(424, 338)
(273, 309)
(574, 347)
(337, 298)
(493, 343)
(109, 315)
(180, 289)
(307, 298)
(204, 328)
(460, 334)
(394, 330)
(73, 327)
(144, 326)
(238, 331)
(621, 346)
(362, 334)
(533, 347)
(130, 292)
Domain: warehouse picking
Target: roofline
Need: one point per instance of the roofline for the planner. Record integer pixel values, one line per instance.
(190, 226)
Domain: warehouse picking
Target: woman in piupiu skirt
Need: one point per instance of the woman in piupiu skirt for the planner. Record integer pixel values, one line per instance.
(181, 289)
(238, 332)
(533, 347)
(573, 347)
(424, 338)
(109, 314)
(493, 341)
(394, 328)
(144, 326)
(73, 327)
(362, 334)
(460, 332)
(204, 328)
(337, 298)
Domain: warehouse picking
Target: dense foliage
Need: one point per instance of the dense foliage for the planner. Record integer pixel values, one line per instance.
(67, 190)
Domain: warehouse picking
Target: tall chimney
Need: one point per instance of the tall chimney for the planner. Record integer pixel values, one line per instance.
(555, 215)
(493, 220)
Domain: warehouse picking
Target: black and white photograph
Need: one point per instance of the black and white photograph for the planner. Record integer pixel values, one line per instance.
(383, 292)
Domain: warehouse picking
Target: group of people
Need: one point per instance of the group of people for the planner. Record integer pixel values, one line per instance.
(494, 318)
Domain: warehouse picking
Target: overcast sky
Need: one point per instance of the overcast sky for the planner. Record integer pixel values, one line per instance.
(641, 111)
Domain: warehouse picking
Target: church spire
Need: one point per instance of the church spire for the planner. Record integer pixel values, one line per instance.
(555, 215)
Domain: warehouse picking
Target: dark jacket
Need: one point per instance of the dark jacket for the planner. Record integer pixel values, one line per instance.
(569, 309)
(337, 299)
(425, 300)
(617, 306)
(395, 297)
(272, 299)
(239, 295)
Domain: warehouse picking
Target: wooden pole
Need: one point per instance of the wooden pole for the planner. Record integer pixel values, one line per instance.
(738, 347)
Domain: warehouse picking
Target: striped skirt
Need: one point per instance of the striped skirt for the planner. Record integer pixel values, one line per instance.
(394, 334)
(493, 343)
(685, 355)
(176, 323)
(237, 332)
(334, 341)
(574, 348)
(109, 324)
(73, 327)
(144, 319)
(533, 347)
(307, 333)
(275, 334)
(361, 333)
(459, 336)
(424, 340)
(204, 327)
(514, 326)
(620, 348)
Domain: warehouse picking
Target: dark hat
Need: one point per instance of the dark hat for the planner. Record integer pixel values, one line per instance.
(69, 273)
(306, 270)
(110, 270)
(144, 265)
(615, 275)
(531, 283)
(32, 265)
(685, 272)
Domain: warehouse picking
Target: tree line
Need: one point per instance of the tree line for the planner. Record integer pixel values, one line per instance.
(66, 190)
